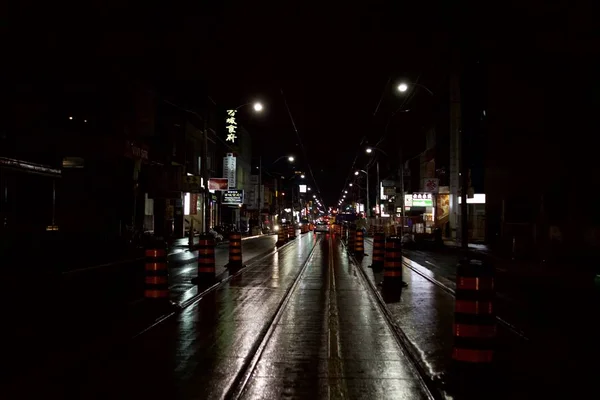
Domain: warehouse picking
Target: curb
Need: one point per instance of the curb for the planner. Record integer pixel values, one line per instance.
(448, 286)
(429, 382)
(138, 259)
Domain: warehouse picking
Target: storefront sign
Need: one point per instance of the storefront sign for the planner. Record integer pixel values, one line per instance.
(192, 183)
(218, 184)
(193, 204)
(431, 185)
(233, 197)
(422, 200)
(231, 126)
(229, 169)
(132, 150)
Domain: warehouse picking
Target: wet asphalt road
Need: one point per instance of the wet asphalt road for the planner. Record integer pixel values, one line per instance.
(300, 323)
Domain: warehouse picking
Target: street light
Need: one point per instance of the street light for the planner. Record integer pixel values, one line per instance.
(302, 176)
(403, 87)
(258, 107)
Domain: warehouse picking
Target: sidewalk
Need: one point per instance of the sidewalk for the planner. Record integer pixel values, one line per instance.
(551, 364)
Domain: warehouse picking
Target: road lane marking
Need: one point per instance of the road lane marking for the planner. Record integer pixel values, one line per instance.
(335, 365)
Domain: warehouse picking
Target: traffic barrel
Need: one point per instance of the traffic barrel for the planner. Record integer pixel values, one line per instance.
(351, 240)
(392, 263)
(474, 314)
(359, 244)
(235, 251)
(281, 235)
(156, 271)
(378, 251)
(206, 260)
(291, 231)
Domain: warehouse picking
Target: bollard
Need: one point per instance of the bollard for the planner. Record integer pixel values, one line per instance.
(291, 231)
(281, 236)
(351, 240)
(392, 263)
(378, 251)
(359, 244)
(474, 315)
(157, 272)
(235, 251)
(206, 260)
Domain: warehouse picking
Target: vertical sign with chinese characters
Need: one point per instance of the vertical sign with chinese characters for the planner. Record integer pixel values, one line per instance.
(229, 171)
(231, 126)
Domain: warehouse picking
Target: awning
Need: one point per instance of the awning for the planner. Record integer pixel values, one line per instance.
(29, 167)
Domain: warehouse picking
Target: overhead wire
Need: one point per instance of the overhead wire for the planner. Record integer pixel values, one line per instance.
(304, 152)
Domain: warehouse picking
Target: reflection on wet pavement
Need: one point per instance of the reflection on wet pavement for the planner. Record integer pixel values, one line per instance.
(331, 340)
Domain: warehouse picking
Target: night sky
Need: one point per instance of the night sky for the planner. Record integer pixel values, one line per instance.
(334, 62)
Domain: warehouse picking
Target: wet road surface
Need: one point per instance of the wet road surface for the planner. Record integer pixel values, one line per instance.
(86, 312)
(299, 323)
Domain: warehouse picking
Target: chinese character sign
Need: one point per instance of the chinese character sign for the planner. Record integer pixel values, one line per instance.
(231, 126)
(422, 200)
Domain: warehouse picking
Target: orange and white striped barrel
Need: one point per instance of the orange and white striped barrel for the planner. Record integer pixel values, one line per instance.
(235, 250)
(206, 258)
(359, 244)
(156, 272)
(281, 235)
(392, 263)
(378, 251)
(474, 313)
(291, 231)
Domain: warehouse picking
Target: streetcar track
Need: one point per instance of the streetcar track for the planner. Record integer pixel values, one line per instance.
(178, 307)
(334, 351)
(240, 383)
(404, 343)
(515, 330)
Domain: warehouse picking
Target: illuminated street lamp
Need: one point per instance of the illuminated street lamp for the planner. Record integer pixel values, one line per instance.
(403, 87)
(258, 107)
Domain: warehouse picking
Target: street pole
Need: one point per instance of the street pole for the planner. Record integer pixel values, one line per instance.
(377, 197)
(401, 194)
(205, 175)
(260, 224)
(368, 213)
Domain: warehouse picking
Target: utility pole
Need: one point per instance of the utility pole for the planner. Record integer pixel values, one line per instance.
(464, 150)
(368, 213)
(377, 197)
(401, 194)
(260, 223)
(205, 175)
